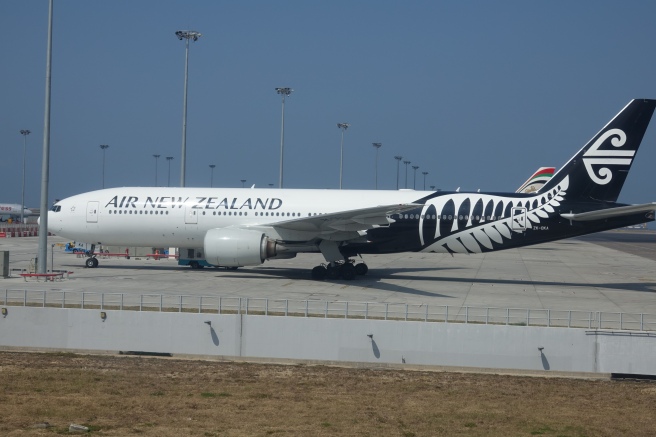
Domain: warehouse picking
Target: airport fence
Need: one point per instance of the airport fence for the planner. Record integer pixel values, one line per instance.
(331, 309)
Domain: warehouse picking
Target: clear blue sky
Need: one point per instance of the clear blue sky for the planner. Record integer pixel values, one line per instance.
(477, 93)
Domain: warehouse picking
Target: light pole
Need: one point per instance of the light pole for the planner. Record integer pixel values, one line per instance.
(432, 187)
(376, 146)
(186, 35)
(243, 181)
(424, 173)
(103, 147)
(414, 183)
(406, 173)
(45, 161)
(343, 127)
(25, 133)
(156, 161)
(284, 92)
(169, 159)
(212, 175)
(398, 162)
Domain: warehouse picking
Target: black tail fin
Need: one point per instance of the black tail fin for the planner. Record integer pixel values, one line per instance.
(598, 171)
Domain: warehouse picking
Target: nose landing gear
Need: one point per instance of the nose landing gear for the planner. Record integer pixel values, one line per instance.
(91, 262)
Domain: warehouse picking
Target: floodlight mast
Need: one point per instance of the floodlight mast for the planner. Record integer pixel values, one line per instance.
(186, 35)
(24, 133)
(212, 166)
(424, 173)
(398, 162)
(406, 162)
(169, 159)
(376, 146)
(343, 127)
(414, 182)
(103, 147)
(284, 92)
(156, 161)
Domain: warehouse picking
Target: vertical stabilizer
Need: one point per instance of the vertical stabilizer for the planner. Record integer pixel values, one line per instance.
(537, 180)
(598, 171)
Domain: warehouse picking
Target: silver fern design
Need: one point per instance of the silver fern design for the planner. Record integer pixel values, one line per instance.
(474, 223)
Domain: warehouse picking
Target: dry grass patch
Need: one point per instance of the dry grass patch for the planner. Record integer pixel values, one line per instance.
(120, 395)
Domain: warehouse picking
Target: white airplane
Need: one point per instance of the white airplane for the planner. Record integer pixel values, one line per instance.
(235, 227)
(13, 210)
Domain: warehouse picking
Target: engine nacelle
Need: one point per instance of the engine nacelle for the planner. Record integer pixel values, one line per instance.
(237, 247)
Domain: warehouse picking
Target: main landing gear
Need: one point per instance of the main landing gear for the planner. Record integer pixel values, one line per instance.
(340, 269)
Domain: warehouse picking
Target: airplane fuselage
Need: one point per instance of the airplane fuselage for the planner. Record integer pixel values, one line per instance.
(13, 210)
(446, 222)
(180, 217)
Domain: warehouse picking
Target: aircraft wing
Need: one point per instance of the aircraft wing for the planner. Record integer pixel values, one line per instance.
(343, 225)
(351, 220)
(610, 212)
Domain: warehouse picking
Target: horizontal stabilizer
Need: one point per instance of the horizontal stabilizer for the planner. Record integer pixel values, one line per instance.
(611, 212)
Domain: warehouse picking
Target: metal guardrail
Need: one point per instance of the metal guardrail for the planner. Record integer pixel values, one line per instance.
(335, 309)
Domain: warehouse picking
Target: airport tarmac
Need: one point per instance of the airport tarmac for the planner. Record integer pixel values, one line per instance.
(610, 272)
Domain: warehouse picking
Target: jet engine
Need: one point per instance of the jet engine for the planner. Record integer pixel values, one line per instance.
(237, 247)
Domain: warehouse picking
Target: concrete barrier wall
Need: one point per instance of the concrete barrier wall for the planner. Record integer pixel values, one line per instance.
(332, 339)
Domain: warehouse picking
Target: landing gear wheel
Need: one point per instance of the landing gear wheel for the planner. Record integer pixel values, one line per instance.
(332, 272)
(319, 273)
(348, 271)
(361, 269)
(91, 263)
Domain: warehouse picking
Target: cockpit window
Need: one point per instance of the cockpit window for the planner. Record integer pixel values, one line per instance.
(56, 208)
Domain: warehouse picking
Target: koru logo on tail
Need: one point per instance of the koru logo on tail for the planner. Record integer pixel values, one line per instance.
(596, 157)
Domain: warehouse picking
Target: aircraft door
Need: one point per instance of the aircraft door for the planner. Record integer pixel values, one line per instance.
(519, 219)
(191, 216)
(92, 212)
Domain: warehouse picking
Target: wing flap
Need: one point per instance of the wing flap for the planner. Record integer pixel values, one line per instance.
(610, 212)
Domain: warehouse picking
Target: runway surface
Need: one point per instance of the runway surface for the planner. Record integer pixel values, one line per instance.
(641, 243)
(609, 272)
